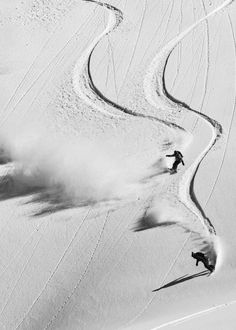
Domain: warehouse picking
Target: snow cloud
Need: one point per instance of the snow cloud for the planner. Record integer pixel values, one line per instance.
(79, 169)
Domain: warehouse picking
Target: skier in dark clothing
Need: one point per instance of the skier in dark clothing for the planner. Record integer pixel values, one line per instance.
(178, 159)
(199, 256)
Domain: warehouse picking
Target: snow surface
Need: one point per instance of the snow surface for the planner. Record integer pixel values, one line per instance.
(95, 232)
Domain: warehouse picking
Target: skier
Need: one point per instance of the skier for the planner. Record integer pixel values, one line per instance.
(199, 256)
(178, 159)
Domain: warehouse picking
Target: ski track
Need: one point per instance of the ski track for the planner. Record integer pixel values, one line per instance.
(190, 95)
(155, 90)
(206, 78)
(113, 69)
(135, 46)
(19, 252)
(194, 315)
(21, 274)
(197, 76)
(51, 68)
(231, 120)
(195, 19)
(87, 91)
(157, 95)
(62, 307)
(179, 47)
(85, 87)
(15, 98)
(81, 75)
(11, 107)
(56, 268)
(156, 31)
(168, 21)
(41, 234)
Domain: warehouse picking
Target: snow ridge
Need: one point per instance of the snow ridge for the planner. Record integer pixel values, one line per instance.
(83, 82)
(158, 96)
(81, 74)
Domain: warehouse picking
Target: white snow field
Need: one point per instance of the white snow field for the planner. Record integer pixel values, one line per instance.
(95, 233)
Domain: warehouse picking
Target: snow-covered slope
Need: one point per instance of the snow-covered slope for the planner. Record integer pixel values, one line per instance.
(95, 232)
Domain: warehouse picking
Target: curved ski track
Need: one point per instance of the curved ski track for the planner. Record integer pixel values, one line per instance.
(81, 74)
(83, 82)
(156, 95)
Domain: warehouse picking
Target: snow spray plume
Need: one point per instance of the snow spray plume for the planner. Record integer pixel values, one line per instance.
(212, 247)
(163, 214)
(82, 170)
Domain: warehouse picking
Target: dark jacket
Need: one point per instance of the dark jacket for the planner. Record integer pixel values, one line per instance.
(178, 156)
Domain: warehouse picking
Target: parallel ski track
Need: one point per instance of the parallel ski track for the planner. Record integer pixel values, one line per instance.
(207, 66)
(16, 98)
(71, 242)
(135, 46)
(180, 47)
(62, 307)
(82, 69)
(156, 93)
(86, 88)
(231, 120)
(81, 75)
(21, 274)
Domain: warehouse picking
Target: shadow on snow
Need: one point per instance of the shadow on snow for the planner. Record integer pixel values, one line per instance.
(51, 200)
(182, 279)
(54, 199)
